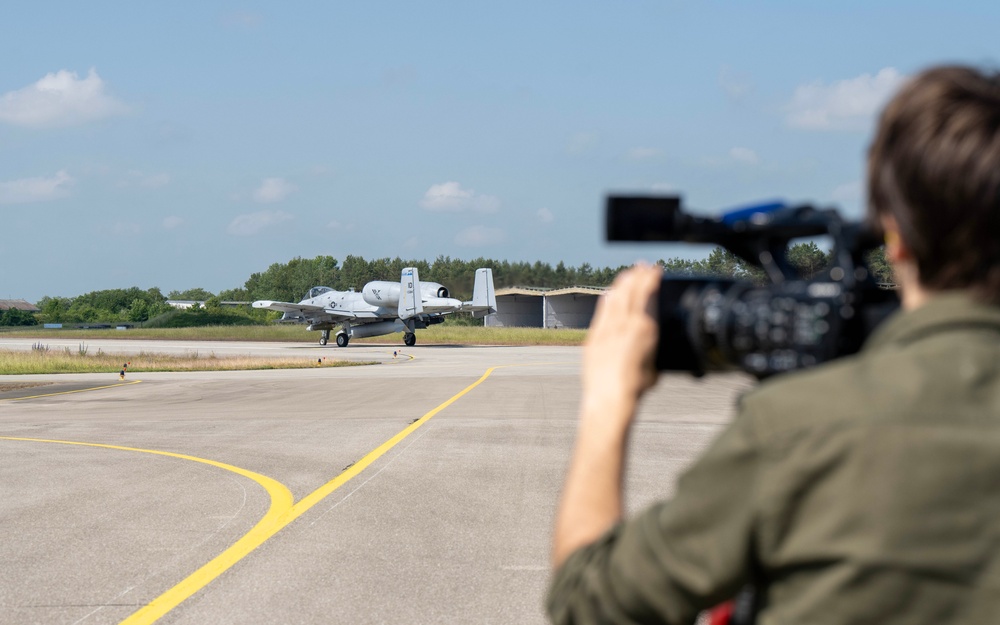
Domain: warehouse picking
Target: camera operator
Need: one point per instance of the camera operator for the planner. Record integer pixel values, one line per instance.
(862, 491)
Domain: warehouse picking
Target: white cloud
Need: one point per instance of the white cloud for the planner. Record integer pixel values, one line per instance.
(644, 154)
(582, 142)
(451, 197)
(480, 235)
(744, 155)
(149, 181)
(125, 229)
(252, 223)
(40, 189)
(154, 181)
(844, 105)
(273, 190)
(172, 222)
(340, 226)
(737, 86)
(545, 216)
(59, 99)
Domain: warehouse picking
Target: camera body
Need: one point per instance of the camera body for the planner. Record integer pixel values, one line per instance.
(712, 324)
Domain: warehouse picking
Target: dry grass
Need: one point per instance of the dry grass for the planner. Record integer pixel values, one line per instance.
(50, 361)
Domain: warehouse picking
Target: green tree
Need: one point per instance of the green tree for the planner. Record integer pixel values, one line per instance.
(808, 259)
(139, 310)
(17, 317)
(238, 294)
(879, 265)
(196, 294)
(54, 309)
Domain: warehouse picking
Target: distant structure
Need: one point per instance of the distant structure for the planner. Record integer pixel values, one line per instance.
(572, 307)
(532, 307)
(184, 304)
(19, 304)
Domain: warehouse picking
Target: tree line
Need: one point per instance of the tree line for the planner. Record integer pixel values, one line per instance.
(290, 281)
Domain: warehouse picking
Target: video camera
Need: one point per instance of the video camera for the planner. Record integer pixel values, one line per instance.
(712, 324)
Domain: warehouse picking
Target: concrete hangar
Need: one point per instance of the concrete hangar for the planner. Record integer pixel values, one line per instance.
(529, 307)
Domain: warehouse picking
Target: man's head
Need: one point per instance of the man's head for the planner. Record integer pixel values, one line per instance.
(934, 171)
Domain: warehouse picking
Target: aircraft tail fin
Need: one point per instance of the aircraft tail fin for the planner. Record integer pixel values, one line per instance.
(410, 302)
(484, 297)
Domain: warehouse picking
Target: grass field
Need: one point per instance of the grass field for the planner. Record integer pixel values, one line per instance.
(291, 333)
(44, 360)
(80, 361)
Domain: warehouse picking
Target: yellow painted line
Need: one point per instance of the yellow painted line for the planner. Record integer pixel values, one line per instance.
(281, 502)
(79, 390)
(320, 493)
(396, 360)
(279, 515)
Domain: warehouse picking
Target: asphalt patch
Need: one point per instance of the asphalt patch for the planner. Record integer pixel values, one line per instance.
(21, 390)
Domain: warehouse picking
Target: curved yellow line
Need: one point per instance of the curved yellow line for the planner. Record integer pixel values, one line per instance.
(281, 502)
(280, 514)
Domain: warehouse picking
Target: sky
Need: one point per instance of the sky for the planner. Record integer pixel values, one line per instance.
(181, 145)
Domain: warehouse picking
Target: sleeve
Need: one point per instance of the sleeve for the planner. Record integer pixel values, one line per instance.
(676, 558)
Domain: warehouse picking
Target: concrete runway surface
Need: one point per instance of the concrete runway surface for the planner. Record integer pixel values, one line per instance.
(308, 496)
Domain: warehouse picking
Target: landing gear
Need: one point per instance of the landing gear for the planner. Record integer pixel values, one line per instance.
(342, 340)
(409, 339)
(324, 337)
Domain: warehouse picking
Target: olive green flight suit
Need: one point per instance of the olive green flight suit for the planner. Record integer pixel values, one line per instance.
(863, 491)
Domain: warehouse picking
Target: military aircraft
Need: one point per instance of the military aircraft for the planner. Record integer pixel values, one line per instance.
(384, 307)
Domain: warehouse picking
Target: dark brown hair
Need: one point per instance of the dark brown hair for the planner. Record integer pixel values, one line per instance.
(934, 165)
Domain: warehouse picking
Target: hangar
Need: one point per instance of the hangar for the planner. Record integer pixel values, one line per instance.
(530, 307)
(19, 304)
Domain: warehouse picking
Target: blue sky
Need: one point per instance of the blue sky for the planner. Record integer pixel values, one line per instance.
(187, 145)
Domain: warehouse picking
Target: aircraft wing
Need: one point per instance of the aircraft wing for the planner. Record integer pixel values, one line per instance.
(289, 307)
(313, 313)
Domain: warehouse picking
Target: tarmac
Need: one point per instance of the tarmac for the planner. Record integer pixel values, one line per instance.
(418, 490)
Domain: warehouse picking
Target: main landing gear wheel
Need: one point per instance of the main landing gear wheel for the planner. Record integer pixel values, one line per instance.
(342, 340)
(409, 339)
(324, 337)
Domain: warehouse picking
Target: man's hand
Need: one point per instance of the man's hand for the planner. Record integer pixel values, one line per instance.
(619, 353)
(618, 367)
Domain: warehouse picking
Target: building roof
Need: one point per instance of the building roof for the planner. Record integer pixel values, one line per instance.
(20, 304)
(539, 291)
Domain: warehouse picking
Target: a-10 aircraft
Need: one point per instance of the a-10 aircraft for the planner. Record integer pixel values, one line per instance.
(384, 307)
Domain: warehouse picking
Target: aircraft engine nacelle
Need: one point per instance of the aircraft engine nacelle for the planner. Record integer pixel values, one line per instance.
(381, 293)
(432, 289)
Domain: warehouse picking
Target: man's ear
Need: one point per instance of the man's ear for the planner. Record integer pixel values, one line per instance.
(896, 250)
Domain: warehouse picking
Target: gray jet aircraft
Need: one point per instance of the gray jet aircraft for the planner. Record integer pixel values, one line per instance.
(384, 307)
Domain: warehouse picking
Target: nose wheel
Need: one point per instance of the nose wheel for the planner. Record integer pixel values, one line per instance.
(409, 339)
(324, 337)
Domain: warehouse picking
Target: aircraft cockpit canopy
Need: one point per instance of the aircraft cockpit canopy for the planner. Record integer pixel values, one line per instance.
(316, 291)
